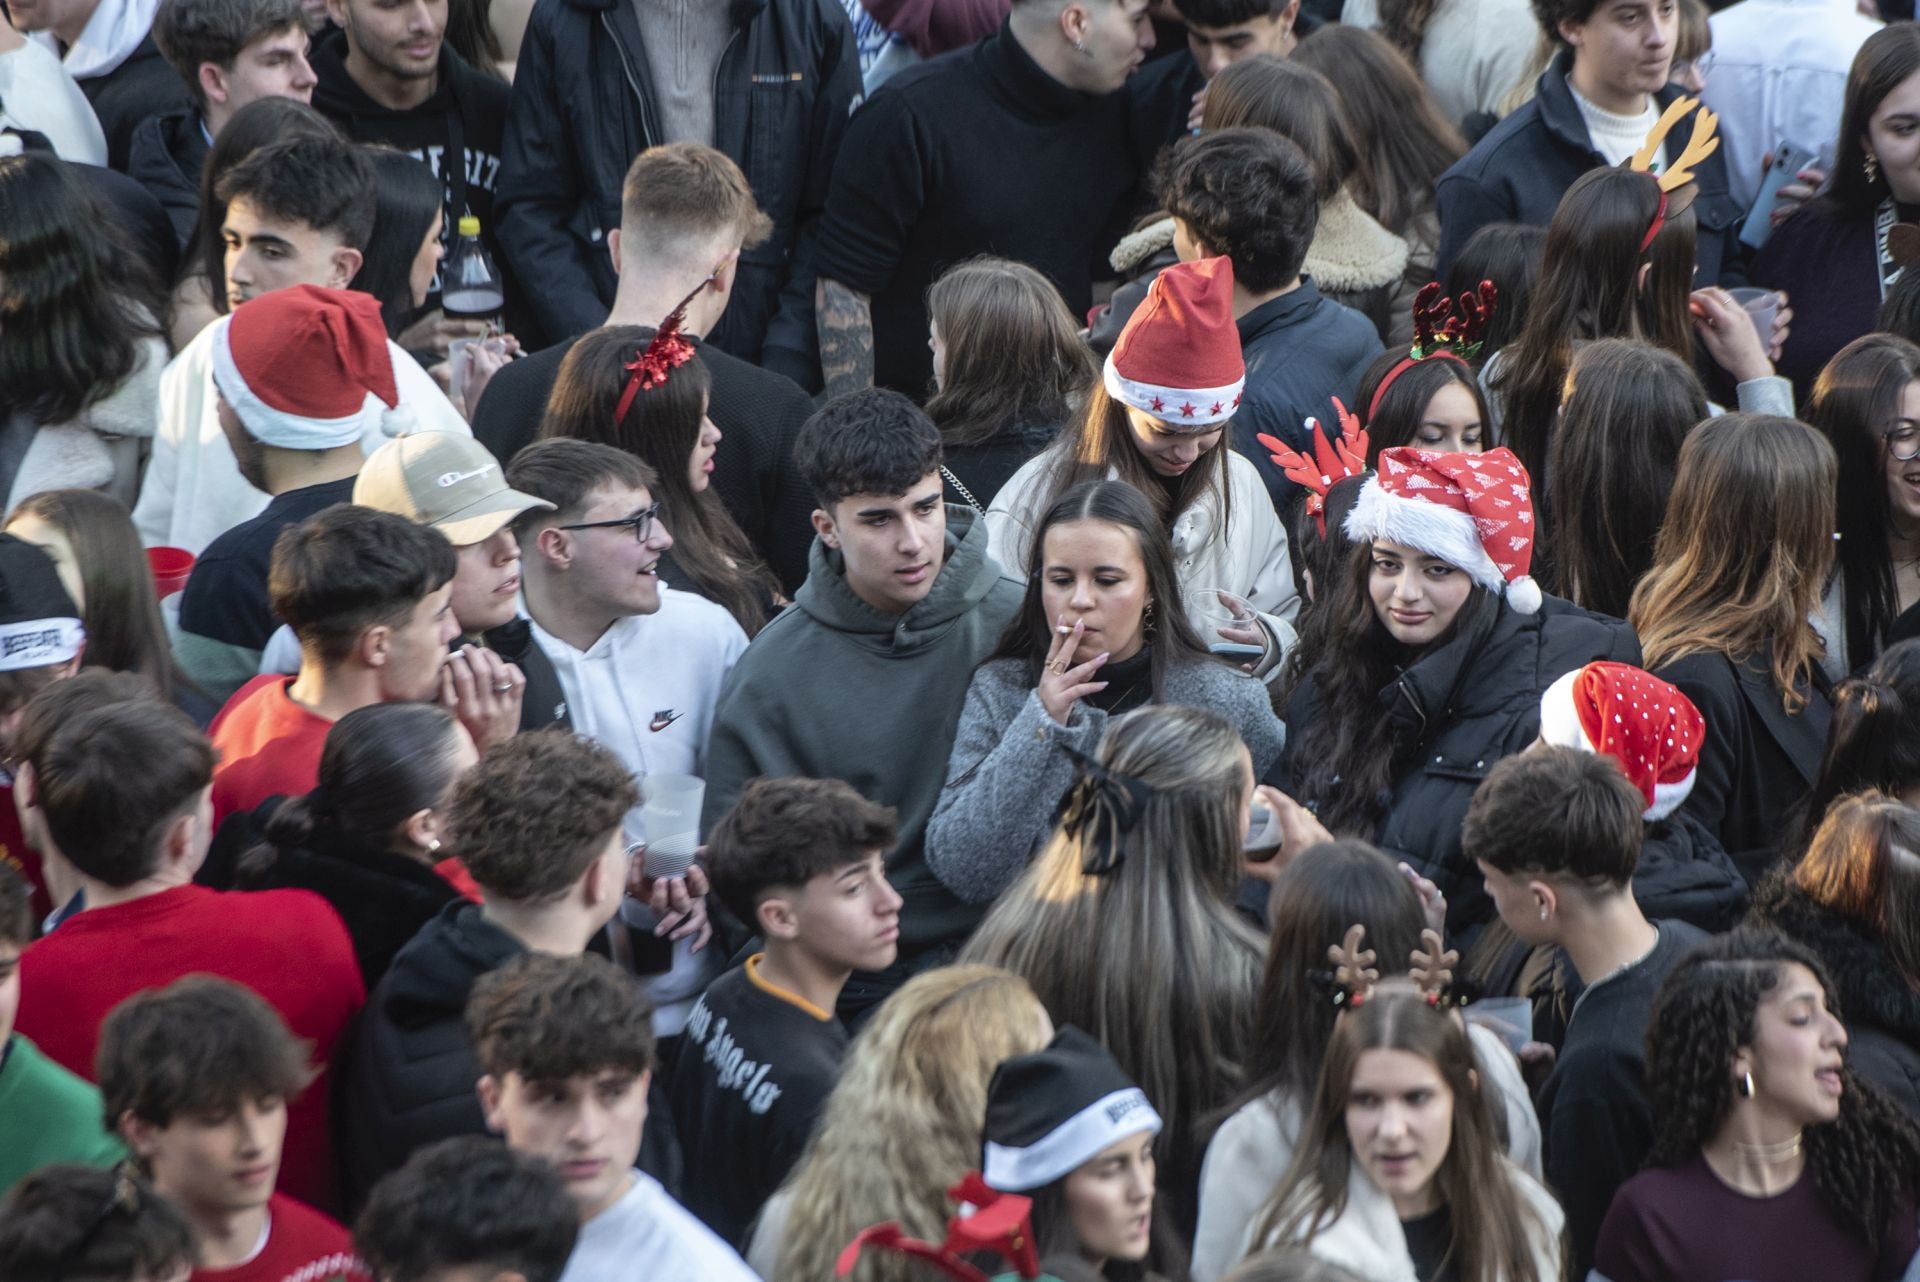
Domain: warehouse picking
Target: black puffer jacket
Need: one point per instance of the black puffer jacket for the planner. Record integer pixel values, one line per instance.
(1460, 708)
(1685, 875)
(1881, 1011)
(583, 108)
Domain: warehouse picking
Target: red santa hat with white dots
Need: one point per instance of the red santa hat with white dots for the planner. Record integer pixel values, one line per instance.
(1178, 358)
(1646, 725)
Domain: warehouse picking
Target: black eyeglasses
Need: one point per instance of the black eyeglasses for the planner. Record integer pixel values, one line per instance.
(123, 1196)
(641, 523)
(1903, 441)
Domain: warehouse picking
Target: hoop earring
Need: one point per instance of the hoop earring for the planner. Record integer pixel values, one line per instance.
(1746, 1085)
(1872, 167)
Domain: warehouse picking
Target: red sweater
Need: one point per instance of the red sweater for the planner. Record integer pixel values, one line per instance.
(19, 856)
(269, 747)
(289, 946)
(302, 1246)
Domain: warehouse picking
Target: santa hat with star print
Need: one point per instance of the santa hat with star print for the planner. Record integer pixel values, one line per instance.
(1474, 511)
(307, 368)
(1178, 358)
(1651, 729)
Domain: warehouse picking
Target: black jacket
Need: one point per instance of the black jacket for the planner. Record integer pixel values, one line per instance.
(410, 1073)
(144, 85)
(166, 157)
(1456, 711)
(1882, 1013)
(583, 109)
(1757, 763)
(1685, 875)
(544, 702)
(1521, 169)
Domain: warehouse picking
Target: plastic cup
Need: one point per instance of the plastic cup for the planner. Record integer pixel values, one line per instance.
(170, 567)
(1761, 306)
(1205, 606)
(670, 813)
(1510, 1017)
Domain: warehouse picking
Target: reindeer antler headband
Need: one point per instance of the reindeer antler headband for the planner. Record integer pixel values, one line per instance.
(1430, 967)
(1702, 144)
(665, 352)
(1444, 327)
(1331, 462)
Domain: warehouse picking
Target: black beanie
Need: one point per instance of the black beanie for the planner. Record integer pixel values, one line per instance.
(1053, 1111)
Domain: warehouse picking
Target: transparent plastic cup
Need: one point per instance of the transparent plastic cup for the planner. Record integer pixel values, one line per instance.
(670, 812)
(1761, 306)
(1510, 1017)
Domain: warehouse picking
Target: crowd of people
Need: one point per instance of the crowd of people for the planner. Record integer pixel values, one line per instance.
(1141, 640)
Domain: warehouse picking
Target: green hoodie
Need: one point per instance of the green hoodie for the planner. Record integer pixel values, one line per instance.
(834, 689)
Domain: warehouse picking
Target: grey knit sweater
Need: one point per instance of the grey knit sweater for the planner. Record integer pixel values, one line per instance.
(1007, 773)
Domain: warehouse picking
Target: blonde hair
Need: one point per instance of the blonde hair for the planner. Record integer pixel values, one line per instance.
(904, 1121)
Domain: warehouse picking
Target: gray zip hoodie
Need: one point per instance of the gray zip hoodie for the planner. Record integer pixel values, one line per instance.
(834, 689)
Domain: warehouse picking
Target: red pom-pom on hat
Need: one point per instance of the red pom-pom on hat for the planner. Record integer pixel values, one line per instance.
(1178, 358)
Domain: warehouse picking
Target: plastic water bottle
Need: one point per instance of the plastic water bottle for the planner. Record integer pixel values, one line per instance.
(470, 284)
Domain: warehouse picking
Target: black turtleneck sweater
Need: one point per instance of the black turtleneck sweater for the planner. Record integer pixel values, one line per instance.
(977, 151)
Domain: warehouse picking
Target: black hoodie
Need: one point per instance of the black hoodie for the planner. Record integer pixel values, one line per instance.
(466, 116)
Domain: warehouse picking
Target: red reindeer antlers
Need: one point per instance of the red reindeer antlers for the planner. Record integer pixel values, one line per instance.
(1331, 461)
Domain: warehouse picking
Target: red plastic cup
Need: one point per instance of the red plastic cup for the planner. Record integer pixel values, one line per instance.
(170, 567)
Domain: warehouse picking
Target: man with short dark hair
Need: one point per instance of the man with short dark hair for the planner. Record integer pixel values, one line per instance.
(369, 595)
(106, 46)
(298, 213)
(687, 216)
(538, 824)
(567, 1048)
(51, 1229)
(389, 76)
(770, 84)
(1018, 146)
(196, 1077)
(803, 863)
(1595, 104)
(1248, 195)
(229, 53)
(124, 792)
(1170, 93)
(863, 677)
(1557, 834)
(468, 1209)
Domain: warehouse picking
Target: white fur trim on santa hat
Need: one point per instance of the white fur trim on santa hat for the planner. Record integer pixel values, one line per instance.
(277, 427)
(1431, 527)
(1560, 726)
(1196, 409)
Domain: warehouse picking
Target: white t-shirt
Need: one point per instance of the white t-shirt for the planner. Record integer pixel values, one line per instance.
(646, 1234)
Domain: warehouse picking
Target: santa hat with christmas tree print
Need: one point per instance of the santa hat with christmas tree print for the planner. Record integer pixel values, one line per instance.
(1474, 511)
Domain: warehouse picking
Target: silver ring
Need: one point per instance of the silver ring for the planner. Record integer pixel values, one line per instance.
(504, 687)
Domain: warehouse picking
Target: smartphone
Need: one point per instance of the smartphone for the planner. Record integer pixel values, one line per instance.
(1788, 161)
(1236, 651)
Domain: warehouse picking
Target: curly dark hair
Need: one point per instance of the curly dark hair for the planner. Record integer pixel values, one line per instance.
(550, 1018)
(1248, 194)
(536, 811)
(1862, 1163)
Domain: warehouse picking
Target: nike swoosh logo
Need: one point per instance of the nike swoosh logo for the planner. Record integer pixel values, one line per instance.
(661, 720)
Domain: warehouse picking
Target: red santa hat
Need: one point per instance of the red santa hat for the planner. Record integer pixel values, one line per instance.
(307, 368)
(1474, 511)
(1651, 729)
(1178, 358)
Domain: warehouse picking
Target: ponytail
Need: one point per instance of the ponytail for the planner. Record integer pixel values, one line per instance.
(1873, 739)
(290, 826)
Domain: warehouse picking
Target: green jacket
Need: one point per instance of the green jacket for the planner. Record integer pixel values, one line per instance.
(48, 1115)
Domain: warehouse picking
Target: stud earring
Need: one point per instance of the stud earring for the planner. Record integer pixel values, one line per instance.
(1746, 1085)
(1872, 166)
(1543, 913)
(433, 845)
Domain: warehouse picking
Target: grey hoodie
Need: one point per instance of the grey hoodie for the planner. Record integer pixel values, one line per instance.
(834, 689)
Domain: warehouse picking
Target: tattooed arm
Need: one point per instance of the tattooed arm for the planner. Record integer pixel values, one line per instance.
(845, 319)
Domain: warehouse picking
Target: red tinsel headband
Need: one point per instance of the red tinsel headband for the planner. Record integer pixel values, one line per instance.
(1442, 327)
(665, 352)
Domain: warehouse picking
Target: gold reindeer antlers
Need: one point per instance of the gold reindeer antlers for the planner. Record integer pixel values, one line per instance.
(1433, 963)
(1702, 144)
(1353, 968)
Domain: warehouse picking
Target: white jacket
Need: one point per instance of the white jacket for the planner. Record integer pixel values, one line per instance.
(1249, 558)
(37, 92)
(1253, 1149)
(193, 491)
(1474, 51)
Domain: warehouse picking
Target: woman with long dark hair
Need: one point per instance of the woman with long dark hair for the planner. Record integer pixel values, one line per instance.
(1873, 738)
(367, 838)
(666, 427)
(1853, 900)
(1009, 369)
(1723, 613)
(403, 254)
(81, 348)
(1509, 255)
(1399, 1172)
(1628, 407)
(1770, 1160)
(1100, 633)
(1831, 256)
(1125, 923)
(1437, 651)
(1432, 404)
(1321, 893)
(1867, 403)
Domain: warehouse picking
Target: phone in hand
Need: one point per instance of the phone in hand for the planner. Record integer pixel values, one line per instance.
(1788, 161)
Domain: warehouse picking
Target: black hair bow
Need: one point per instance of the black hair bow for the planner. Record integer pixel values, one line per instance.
(1099, 808)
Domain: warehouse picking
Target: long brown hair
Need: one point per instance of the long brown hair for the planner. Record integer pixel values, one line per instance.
(1610, 467)
(1014, 357)
(1590, 288)
(1864, 864)
(1296, 102)
(1397, 126)
(903, 1122)
(1743, 556)
(661, 429)
(1494, 1228)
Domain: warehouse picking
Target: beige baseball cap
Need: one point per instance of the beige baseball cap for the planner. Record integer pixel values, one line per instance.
(445, 480)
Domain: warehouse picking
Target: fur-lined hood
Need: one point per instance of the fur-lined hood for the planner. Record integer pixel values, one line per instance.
(1350, 251)
(1870, 989)
(79, 454)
